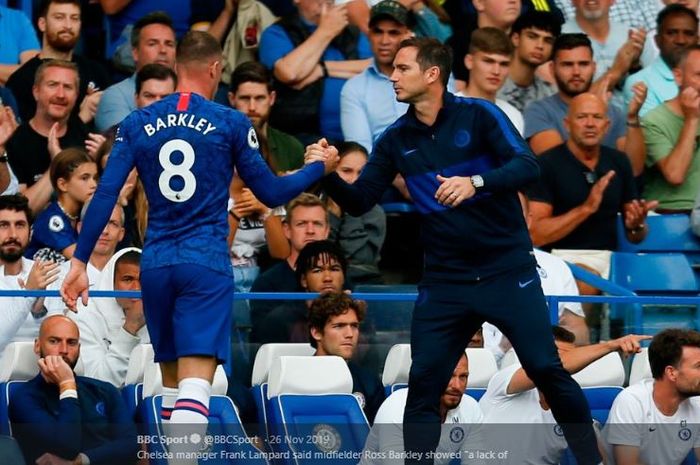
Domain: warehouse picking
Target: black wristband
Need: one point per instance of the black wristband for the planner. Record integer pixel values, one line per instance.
(235, 217)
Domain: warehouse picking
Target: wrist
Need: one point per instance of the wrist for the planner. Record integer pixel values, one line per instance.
(633, 121)
(67, 384)
(324, 68)
(234, 216)
(636, 229)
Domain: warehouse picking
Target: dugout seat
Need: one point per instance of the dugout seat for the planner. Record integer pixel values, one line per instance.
(312, 409)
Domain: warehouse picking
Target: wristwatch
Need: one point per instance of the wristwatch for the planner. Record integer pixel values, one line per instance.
(477, 181)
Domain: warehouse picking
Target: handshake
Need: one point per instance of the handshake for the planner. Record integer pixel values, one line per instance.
(323, 152)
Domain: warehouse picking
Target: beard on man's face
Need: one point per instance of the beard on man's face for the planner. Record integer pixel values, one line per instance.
(11, 255)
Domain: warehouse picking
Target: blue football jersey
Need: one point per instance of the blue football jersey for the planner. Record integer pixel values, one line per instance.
(185, 148)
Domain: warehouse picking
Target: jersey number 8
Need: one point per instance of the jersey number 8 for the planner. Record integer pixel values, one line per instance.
(182, 170)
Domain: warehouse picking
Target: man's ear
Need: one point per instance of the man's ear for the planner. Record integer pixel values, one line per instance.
(316, 334)
(41, 24)
(273, 97)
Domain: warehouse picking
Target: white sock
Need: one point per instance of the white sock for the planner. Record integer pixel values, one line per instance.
(189, 419)
(169, 396)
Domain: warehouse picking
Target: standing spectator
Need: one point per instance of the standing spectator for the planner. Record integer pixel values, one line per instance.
(677, 30)
(54, 126)
(671, 132)
(19, 41)
(152, 41)
(533, 35)
(312, 52)
(60, 22)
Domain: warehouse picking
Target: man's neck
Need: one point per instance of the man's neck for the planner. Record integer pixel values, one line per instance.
(565, 98)
(485, 21)
(429, 106)
(666, 397)
(675, 106)
(13, 268)
(42, 124)
(473, 91)
(521, 73)
(48, 52)
(185, 84)
(99, 261)
(587, 155)
(292, 259)
(385, 69)
(596, 29)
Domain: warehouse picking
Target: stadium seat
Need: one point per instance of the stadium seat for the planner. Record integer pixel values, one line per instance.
(601, 382)
(18, 364)
(482, 366)
(640, 367)
(667, 233)
(664, 274)
(265, 357)
(24, 5)
(312, 409)
(396, 208)
(224, 422)
(132, 392)
(153, 381)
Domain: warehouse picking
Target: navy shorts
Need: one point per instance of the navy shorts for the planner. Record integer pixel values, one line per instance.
(188, 311)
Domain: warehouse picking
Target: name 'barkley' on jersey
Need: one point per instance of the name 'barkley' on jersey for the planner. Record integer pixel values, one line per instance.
(186, 120)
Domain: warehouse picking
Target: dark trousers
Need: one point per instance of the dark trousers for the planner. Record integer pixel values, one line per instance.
(444, 319)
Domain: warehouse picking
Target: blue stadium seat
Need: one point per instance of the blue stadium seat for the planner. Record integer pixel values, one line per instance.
(18, 364)
(24, 5)
(140, 359)
(667, 233)
(398, 207)
(664, 274)
(223, 422)
(311, 407)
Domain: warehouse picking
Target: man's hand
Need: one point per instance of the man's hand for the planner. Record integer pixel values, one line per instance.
(630, 52)
(75, 285)
(627, 345)
(88, 107)
(595, 197)
(53, 146)
(41, 275)
(639, 95)
(322, 151)
(453, 191)
(50, 459)
(636, 212)
(334, 19)
(93, 144)
(690, 103)
(8, 124)
(247, 204)
(55, 370)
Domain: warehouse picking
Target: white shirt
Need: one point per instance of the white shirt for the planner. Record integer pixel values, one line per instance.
(460, 433)
(521, 426)
(556, 279)
(662, 440)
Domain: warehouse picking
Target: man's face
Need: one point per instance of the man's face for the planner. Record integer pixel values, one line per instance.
(533, 46)
(587, 121)
(410, 83)
(452, 396)
(592, 9)
(61, 26)
(385, 35)
(59, 336)
(339, 336)
(111, 235)
(573, 70)
(487, 71)
(324, 277)
(677, 33)
(688, 372)
(306, 224)
(156, 45)
(690, 72)
(153, 90)
(254, 100)
(57, 93)
(499, 13)
(14, 235)
(126, 278)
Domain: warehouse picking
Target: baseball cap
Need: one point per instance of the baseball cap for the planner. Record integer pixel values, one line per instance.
(390, 9)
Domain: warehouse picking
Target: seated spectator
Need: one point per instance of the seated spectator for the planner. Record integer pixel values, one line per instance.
(583, 186)
(633, 13)
(431, 20)
(154, 82)
(668, 402)
(111, 327)
(306, 220)
(512, 399)
(74, 178)
(334, 325)
(677, 30)
(60, 22)
(53, 127)
(368, 103)
(533, 35)
(19, 41)
(21, 316)
(671, 131)
(320, 267)
(59, 417)
(312, 52)
(152, 41)
(488, 61)
(460, 415)
(573, 68)
(360, 237)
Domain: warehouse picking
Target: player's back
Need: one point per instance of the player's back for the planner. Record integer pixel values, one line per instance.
(184, 148)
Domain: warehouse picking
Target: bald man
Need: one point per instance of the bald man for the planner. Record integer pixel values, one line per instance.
(63, 419)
